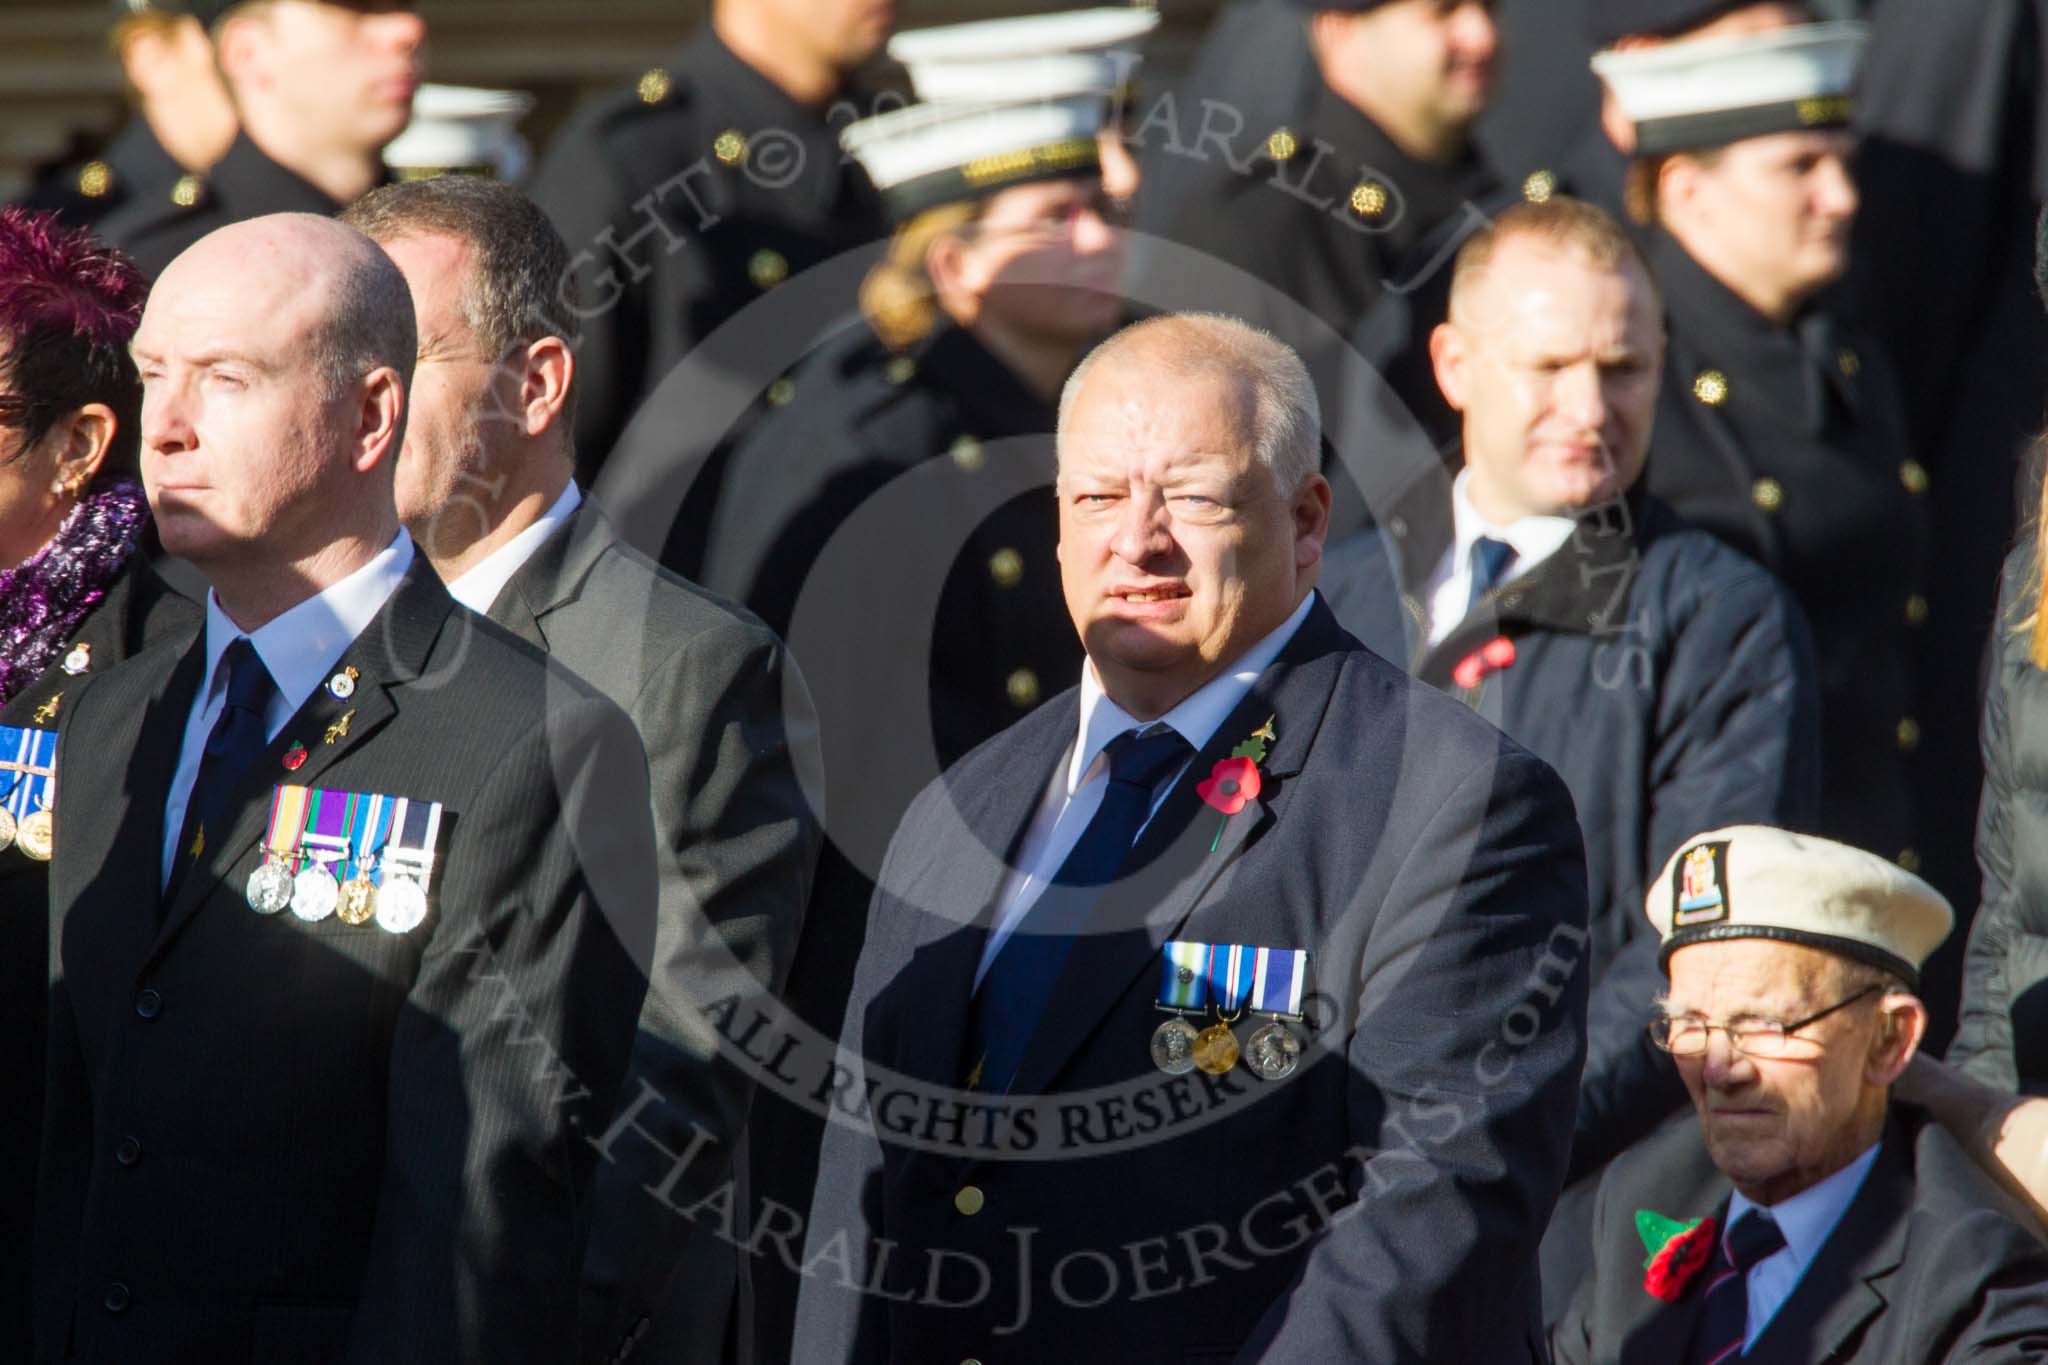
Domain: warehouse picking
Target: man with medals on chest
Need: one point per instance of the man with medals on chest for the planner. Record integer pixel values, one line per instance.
(486, 487)
(1361, 906)
(349, 886)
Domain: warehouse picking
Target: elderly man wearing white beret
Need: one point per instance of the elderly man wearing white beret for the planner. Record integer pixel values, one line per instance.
(1803, 1214)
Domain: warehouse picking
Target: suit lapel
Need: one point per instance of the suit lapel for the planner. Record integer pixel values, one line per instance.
(553, 574)
(994, 815)
(1186, 847)
(1836, 1296)
(389, 653)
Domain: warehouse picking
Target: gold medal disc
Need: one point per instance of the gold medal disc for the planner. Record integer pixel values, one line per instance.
(37, 836)
(7, 829)
(358, 901)
(1216, 1049)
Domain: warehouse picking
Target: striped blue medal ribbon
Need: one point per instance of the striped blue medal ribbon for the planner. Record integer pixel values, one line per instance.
(369, 827)
(408, 864)
(28, 789)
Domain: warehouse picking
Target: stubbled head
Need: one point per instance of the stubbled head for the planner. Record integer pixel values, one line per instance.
(1551, 354)
(1192, 510)
(275, 356)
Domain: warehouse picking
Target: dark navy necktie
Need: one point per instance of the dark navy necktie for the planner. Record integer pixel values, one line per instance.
(237, 739)
(1019, 983)
(1489, 560)
(1724, 1317)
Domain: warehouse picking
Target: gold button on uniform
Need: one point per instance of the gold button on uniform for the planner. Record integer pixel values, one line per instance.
(1538, 188)
(1711, 388)
(1023, 688)
(186, 192)
(654, 86)
(1768, 493)
(781, 391)
(767, 268)
(969, 1200)
(1909, 735)
(1369, 200)
(1282, 145)
(95, 179)
(966, 454)
(1851, 363)
(1913, 474)
(899, 370)
(1916, 610)
(730, 147)
(1006, 567)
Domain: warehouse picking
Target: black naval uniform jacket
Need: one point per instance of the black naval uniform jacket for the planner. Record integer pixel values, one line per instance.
(683, 199)
(1931, 1261)
(1789, 445)
(1670, 682)
(1952, 167)
(133, 169)
(245, 183)
(909, 495)
(726, 724)
(2003, 1034)
(1382, 1203)
(273, 1140)
(139, 608)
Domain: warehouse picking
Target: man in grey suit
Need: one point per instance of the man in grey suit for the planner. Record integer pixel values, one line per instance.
(485, 483)
(1245, 847)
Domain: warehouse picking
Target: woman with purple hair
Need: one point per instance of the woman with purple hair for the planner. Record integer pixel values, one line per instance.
(74, 593)
(78, 594)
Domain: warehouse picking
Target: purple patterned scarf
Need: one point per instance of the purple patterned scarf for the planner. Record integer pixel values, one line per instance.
(43, 599)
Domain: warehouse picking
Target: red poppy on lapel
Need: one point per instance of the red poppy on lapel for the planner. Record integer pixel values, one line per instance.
(1230, 784)
(1491, 657)
(1673, 1266)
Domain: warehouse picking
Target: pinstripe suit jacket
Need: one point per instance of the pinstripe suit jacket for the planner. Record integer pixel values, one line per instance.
(267, 1139)
(727, 726)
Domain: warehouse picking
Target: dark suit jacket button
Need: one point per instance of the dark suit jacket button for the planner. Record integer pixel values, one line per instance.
(149, 1004)
(128, 1151)
(117, 1298)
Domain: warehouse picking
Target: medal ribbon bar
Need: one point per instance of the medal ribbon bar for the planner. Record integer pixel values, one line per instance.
(287, 823)
(326, 829)
(369, 831)
(1277, 981)
(415, 830)
(1183, 979)
(31, 755)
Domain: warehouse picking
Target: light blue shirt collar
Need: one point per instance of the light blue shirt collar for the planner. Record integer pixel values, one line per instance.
(301, 645)
(1809, 1216)
(1196, 718)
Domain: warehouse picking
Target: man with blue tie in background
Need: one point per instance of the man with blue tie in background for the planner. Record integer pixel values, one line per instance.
(1228, 1006)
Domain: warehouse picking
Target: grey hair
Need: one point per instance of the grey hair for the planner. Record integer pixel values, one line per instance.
(1286, 418)
(369, 324)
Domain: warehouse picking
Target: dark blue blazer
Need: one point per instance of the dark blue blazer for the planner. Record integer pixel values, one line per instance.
(1383, 1203)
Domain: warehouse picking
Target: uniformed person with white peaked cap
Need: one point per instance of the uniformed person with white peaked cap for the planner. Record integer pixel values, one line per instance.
(1778, 429)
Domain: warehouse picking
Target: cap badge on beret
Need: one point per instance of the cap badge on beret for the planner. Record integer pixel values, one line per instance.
(1700, 891)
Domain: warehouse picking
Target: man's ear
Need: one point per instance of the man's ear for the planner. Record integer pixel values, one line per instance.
(1902, 1023)
(1450, 353)
(544, 387)
(380, 419)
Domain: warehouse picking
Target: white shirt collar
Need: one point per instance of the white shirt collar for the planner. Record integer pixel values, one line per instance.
(479, 588)
(1534, 539)
(1809, 1216)
(1197, 716)
(300, 646)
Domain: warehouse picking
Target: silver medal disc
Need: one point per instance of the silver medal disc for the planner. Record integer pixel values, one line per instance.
(1273, 1052)
(314, 894)
(1173, 1046)
(270, 889)
(401, 905)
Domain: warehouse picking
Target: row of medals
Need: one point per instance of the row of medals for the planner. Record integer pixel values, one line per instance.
(313, 893)
(1178, 1047)
(33, 834)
